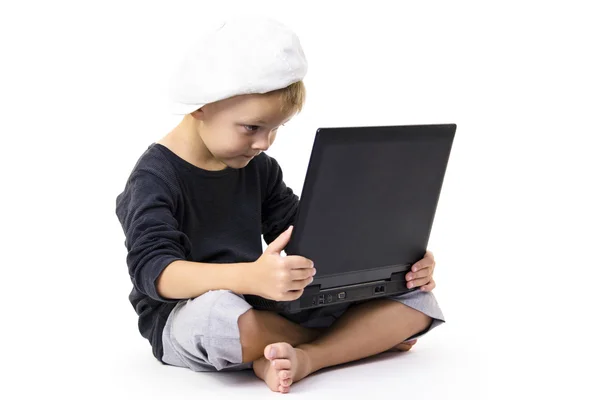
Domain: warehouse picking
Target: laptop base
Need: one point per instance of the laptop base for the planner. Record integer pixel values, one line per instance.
(314, 297)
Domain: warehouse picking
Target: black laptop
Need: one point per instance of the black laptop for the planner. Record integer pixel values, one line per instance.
(366, 211)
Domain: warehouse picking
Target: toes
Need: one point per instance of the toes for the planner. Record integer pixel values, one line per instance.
(283, 363)
(284, 389)
(270, 352)
(278, 350)
(286, 382)
(403, 347)
(285, 374)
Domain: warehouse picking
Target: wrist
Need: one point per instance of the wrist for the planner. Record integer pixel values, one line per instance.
(241, 278)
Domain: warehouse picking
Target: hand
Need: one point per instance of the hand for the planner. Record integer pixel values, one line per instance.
(281, 278)
(421, 273)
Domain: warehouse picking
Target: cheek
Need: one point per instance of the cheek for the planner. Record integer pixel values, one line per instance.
(233, 145)
(223, 141)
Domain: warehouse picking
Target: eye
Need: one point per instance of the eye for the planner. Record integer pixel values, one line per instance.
(251, 128)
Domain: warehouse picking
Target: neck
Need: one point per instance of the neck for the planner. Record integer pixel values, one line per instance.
(185, 141)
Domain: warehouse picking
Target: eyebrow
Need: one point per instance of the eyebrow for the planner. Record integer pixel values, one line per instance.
(260, 121)
(255, 121)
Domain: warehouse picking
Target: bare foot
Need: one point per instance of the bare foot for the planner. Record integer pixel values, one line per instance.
(281, 366)
(404, 346)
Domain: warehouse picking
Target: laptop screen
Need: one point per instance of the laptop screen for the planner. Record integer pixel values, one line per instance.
(370, 196)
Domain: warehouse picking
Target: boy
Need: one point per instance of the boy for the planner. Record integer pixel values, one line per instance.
(195, 206)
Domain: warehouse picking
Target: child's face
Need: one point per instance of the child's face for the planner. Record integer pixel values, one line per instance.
(237, 129)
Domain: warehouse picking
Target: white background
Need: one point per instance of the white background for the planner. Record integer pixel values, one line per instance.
(83, 93)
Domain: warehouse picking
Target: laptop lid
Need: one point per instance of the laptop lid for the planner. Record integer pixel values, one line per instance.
(369, 200)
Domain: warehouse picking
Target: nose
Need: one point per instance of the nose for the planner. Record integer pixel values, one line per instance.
(262, 143)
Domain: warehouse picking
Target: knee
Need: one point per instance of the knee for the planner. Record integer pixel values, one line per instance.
(207, 318)
(425, 323)
(416, 320)
(205, 330)
(192, 320)
(420, 322)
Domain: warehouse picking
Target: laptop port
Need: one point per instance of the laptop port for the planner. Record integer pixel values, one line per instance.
(329, 298)
(322, 299)
(379, 289)
(341, 295)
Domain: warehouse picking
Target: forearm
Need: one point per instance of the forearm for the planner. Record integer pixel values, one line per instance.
(187, 279)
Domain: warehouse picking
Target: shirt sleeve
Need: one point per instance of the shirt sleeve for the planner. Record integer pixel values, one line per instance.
(146, 211)
(280, 207)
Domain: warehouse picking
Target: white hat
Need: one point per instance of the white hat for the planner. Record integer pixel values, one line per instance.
(242, 56)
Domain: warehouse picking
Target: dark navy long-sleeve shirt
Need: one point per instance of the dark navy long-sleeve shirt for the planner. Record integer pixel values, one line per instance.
(172, 210)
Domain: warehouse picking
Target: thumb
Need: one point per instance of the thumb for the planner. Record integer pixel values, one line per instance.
(279, 244)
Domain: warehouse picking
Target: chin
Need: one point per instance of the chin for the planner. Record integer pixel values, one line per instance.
(238, 162)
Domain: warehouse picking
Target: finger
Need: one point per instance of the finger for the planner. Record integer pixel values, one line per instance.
(299, 262)
(427, 260)
(429, 287)
(277, 245)
(299, 285)
(292, 295)
(301, 274)
(422, 273)
(418, 282)
(424, 263)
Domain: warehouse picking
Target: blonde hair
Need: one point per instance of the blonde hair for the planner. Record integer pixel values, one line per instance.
(292, 97)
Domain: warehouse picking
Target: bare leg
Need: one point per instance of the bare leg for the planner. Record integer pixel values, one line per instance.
(364, 330)
(260, 328)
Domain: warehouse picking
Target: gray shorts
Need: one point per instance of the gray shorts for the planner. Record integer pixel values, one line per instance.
(202, 334)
